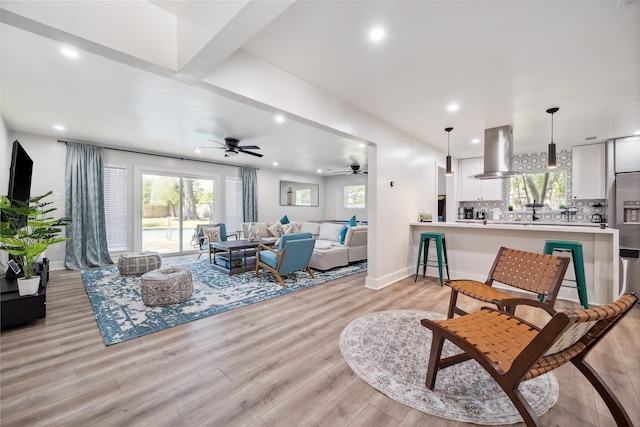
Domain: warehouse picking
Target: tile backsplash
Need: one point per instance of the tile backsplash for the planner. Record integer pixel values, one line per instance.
(537, 162)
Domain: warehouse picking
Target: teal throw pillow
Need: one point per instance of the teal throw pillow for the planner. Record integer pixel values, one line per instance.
(284, 220)
(353, 222)
(343, 234)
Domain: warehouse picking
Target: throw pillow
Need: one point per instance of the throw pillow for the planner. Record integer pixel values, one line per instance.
(276, 229)
(290, 228)
(343, 233)
(284, 220)
(213, 234)
(322, 244)
(353, 222)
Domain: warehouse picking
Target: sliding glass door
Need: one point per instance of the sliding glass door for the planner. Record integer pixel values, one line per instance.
(172, 206)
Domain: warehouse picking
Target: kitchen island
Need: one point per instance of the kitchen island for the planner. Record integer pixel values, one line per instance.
(472, 248)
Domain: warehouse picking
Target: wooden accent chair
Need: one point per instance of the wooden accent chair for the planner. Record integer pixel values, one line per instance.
(512, 350)
(293, 254)
(528, 271)
(201, 240)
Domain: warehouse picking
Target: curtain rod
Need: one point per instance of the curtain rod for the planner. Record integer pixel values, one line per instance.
(161, 155)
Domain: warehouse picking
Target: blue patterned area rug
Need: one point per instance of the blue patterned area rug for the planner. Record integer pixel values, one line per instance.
(121, 314)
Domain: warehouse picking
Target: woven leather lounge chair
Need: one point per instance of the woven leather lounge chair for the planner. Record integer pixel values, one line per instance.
(512, 350)
(528, 271)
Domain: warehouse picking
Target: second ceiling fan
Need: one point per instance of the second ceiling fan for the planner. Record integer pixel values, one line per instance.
(355, 170)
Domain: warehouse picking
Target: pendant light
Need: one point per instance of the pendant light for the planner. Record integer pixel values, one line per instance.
(448, 170)
(552, 146)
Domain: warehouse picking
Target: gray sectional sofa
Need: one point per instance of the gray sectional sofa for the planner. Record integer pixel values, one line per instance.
(328, 252)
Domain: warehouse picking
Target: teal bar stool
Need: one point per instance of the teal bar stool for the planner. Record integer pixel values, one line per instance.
(423, 252)
(578, 265)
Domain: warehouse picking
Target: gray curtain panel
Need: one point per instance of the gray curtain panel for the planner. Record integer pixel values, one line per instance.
(85, 205)
(249, 195)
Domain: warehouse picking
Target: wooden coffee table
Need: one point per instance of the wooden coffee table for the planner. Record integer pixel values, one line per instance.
(236, 256)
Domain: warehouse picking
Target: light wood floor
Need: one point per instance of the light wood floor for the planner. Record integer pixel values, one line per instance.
(276, 363)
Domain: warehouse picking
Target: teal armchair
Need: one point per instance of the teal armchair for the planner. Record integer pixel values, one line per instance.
(293, 254)
(201, 240)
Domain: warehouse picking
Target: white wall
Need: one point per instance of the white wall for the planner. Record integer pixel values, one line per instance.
(5, 163)
(49, 158)
(334, 195)
(269, 208)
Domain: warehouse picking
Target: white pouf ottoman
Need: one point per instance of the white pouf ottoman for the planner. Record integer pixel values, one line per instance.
(166, 286)
(131, 264)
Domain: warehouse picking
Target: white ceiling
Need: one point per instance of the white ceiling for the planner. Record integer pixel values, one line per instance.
(501, 62)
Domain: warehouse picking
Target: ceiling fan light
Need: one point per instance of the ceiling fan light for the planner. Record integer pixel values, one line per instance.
(230, 153)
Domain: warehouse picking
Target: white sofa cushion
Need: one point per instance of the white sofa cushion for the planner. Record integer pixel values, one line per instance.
(310, 227)
(330, 231)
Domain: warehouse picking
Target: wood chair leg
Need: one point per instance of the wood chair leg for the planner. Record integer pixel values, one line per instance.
(453, 299)
(310, 272)
(279, 277)
(434, 359)
(614, 405)
(526, 411)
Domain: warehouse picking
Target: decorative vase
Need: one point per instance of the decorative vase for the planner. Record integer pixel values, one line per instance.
(253, 232)
(289, 196)
(28, 286)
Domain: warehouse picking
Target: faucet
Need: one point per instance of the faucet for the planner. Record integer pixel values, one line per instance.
(534, 218)
(534, 205)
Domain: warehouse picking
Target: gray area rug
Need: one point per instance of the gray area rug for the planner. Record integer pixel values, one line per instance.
(389, 350)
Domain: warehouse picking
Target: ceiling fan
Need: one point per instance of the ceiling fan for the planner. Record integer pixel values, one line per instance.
(355, 170)
(232, 148)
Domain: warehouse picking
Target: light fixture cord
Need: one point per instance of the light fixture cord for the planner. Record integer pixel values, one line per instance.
(552, 128)
(448, 134)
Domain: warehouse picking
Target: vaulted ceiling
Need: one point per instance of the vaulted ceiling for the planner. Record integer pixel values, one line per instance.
(145, 77)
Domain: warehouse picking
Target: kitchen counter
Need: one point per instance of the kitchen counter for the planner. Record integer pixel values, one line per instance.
(515, 222)
(472, 248)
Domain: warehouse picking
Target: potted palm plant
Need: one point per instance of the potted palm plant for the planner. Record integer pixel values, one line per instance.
(26, 242)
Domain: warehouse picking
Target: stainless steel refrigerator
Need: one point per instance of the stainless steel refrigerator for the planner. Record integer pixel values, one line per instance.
(627, 220)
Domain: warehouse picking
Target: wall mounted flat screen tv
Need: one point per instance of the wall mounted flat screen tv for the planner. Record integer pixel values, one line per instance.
(20, 177)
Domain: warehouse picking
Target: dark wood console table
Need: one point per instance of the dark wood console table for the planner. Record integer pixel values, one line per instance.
(18, 309)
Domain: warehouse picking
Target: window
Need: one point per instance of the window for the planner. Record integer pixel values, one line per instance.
(172, 207)
(233, 205)
(303, 197)
(115, 207)
(354, 196)
(547, 188)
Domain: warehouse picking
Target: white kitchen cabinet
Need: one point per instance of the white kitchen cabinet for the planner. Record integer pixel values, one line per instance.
(589, 172)
(477, 189)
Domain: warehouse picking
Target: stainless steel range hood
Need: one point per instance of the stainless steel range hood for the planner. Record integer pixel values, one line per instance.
(498, 153)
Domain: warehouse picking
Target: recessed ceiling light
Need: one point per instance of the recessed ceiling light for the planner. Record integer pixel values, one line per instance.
(69, 53)
(361, 145)
(475, 140)
(58, 127)
(453, 107)
(376, 34)
(275, 163)
(637, 132)
(280, 118)
(198, 150)
(319, 170)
